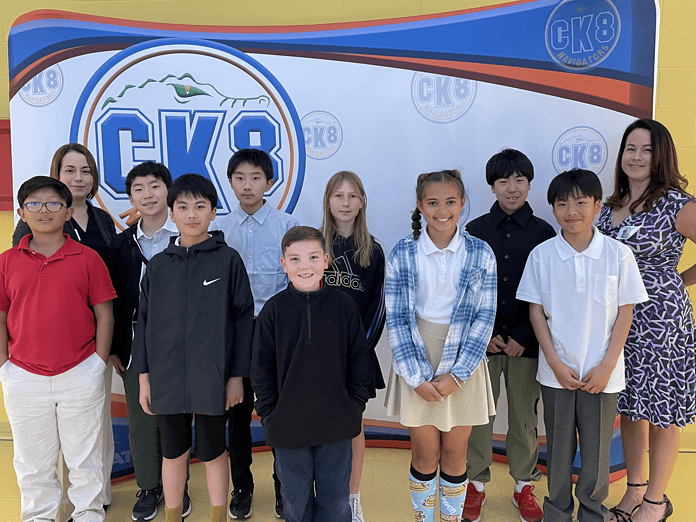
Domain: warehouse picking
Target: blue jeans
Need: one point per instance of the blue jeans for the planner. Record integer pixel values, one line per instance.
(324, 469)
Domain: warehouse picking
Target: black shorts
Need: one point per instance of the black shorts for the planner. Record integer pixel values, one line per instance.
(175, 435)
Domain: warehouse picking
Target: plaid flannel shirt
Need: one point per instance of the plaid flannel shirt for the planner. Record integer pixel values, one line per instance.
(472, 318)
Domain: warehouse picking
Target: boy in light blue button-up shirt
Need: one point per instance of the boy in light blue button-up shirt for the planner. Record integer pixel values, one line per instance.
(255, 230)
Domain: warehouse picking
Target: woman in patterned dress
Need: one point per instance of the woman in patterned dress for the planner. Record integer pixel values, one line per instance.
(651, 213)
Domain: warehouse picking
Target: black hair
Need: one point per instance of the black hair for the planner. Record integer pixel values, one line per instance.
(255, 157)
(147, 168)
(42, 182)
(192, 185)
(506, 163)
(576, 183)
(440, 176)
(301, 233)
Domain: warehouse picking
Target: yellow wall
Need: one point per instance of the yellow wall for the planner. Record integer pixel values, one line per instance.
(676, 80)
(676, 107)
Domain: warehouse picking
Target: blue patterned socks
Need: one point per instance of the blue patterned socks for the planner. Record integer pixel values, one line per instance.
(423, 495)
(452, 495)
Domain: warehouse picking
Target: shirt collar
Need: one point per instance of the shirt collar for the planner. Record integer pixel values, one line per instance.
(259, 216)
(522, 215)
(70, 247)
(594, 250)
(430, 248)
(168, 226)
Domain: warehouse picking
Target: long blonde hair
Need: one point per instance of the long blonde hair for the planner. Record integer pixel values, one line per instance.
(363, 239)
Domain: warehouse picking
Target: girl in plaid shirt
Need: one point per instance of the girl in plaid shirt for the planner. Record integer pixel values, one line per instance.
(441, 301)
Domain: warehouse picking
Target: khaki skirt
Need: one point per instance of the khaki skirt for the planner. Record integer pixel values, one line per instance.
(471, 405)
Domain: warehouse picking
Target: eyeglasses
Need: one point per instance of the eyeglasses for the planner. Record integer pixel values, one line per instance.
(51, 206)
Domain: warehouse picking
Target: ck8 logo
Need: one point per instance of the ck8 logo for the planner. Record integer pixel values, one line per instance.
(189, 105)
(582, 33)
(43, 88)
(442, 99)
(323, 134)
(582, 148)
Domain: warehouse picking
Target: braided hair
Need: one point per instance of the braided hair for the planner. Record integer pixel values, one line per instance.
(441, 176)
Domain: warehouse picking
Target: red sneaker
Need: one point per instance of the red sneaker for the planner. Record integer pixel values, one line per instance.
(472, 504)
(527, 503)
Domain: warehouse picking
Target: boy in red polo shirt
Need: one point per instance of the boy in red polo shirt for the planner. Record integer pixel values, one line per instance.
(55, 333)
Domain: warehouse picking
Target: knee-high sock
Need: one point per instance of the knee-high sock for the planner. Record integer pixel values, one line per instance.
(452, 495)
(423, 495)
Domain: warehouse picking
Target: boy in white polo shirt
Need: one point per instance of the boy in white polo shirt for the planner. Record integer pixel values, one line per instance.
(581, 286)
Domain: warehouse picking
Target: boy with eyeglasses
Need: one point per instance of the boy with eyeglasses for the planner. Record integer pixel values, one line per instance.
(52, 368)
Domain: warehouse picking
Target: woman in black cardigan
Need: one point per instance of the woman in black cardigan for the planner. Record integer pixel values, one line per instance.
(74, 165)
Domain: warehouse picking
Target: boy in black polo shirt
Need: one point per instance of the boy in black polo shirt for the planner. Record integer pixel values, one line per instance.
(512, 231)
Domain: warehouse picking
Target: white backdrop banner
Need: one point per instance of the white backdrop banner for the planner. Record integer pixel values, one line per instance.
(388, 99)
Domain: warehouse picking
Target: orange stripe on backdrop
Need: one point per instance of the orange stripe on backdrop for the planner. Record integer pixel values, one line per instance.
(605, 92)
(44, 14)
(26, 74)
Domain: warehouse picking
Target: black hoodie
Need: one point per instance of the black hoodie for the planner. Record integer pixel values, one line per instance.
(310, 368)
(194, 326)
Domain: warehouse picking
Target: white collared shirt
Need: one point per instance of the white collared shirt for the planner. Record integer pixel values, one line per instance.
(150, 246)
(158, 242)
(581, 293)
(438, 277)
(257, 238)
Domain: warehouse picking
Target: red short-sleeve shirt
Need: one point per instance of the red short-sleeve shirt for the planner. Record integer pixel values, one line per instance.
(50, 321)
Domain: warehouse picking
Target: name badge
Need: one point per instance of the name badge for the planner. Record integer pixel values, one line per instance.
(626, 232)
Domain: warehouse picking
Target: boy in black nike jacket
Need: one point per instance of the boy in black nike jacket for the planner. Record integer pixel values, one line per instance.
(192, 343)
(310, 372)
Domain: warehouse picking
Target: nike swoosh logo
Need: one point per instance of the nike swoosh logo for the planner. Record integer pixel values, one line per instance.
(206, 282)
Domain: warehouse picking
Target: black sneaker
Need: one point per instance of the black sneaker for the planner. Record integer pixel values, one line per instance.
(146, 506)
(187, 506)
(240, 505)
(279, 511)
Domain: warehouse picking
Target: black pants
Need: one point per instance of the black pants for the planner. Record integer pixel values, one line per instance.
(239, 426)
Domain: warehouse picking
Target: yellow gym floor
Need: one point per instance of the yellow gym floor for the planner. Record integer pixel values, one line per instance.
(384, 490)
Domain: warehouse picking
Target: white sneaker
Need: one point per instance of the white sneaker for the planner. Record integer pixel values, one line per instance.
(356, 508)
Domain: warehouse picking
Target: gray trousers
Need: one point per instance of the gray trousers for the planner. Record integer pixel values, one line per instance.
(521, 446)
(570, 415)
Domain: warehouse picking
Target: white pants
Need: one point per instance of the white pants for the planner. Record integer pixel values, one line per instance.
(53, 414)
(108, 436)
